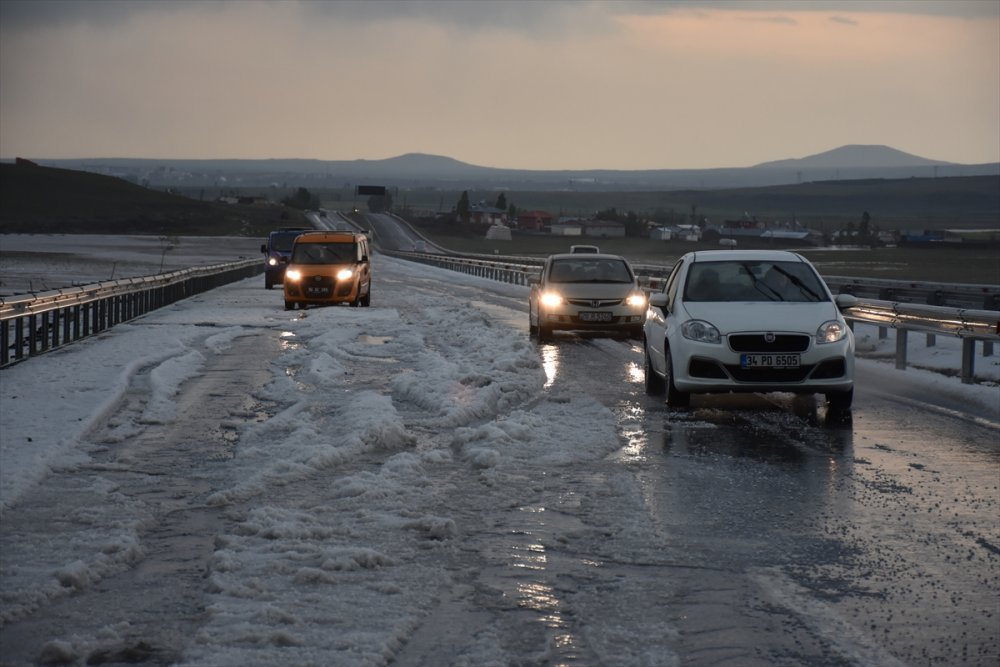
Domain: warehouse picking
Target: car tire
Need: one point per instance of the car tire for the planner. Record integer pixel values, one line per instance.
(840, 400)
(268, 284)
(289, 305)
(367, 300)
(544, 332)
(675, 397)
(654, 383)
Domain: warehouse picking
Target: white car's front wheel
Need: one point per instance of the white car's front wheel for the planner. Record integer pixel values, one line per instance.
(654, 383)
(675, 397)
(840, 400)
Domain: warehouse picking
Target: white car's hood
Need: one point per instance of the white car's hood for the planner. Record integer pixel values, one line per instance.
(763, 316)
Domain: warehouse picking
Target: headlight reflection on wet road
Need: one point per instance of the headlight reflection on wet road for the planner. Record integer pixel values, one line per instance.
(550, 363)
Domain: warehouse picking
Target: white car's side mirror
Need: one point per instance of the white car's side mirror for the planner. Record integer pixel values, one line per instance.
(658, 300)
(846, 301)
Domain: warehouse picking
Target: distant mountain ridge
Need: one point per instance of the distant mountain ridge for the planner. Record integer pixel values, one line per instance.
(852, 162)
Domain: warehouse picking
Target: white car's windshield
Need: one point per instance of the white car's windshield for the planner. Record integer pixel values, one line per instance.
(589, 270)
(753, 281)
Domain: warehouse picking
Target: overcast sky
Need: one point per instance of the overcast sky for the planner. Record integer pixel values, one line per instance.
(544, 84)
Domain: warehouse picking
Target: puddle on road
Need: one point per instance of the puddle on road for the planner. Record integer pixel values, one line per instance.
(287, 342)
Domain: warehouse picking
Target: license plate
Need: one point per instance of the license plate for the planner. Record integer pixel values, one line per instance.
(318, 291)
(769, 360)
(595, 316)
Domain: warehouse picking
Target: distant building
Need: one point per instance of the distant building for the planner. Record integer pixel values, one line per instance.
(603, 228)
(567, 228)
(483, 214)
(535, 221)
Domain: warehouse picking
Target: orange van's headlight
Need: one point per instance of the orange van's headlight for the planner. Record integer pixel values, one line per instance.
(344, 274)
(293, 274)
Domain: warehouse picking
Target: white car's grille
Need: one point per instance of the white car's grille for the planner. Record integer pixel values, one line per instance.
(763, 342)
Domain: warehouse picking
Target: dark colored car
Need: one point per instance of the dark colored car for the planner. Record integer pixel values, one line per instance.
(277, 252)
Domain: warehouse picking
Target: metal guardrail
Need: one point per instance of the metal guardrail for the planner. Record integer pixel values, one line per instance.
(955, 295)
(966, 324)
(31, 324)
(970, 325)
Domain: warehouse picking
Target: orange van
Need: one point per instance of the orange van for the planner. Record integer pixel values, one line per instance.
(328, 267)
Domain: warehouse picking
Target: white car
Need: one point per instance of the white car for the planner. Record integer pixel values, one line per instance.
(748, 321)
(586, 291)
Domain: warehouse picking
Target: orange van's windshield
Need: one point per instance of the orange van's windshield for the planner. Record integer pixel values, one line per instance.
(324, 253)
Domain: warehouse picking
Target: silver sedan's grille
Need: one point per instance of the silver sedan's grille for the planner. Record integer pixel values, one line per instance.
(595, 303)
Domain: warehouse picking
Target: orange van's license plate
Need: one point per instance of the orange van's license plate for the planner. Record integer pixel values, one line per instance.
(769, 360)
(318, 291)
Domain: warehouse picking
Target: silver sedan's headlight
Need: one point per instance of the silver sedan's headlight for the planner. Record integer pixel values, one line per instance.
(831, 331)
(551, 299)
(636, 300)
(701, 331)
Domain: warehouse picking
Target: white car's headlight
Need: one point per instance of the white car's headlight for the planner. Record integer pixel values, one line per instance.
(550, 299)
(701, 331)
(344, 274)
(293, 274)
(830, 332)
(637, 300)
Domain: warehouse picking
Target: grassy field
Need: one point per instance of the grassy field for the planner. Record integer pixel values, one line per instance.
(976, 265)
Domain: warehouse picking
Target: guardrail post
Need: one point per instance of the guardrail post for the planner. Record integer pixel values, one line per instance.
(931, 340)
(968, 359)
(901, 349)
(987, 348)
(5, 340)
(883, 333)
(19, 338)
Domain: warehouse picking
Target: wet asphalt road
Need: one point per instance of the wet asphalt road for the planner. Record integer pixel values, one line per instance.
(803, 538)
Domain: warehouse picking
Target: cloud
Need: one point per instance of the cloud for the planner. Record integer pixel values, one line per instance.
(843, 20)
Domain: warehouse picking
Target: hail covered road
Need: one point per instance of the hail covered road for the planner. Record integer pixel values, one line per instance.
(506, 502)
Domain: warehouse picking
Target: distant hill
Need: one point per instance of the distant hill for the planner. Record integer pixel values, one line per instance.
(44, 200)
(417, 170)
(847, 157)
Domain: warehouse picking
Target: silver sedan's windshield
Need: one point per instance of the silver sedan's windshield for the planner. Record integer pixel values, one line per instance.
(589, 271)
(753, 281)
